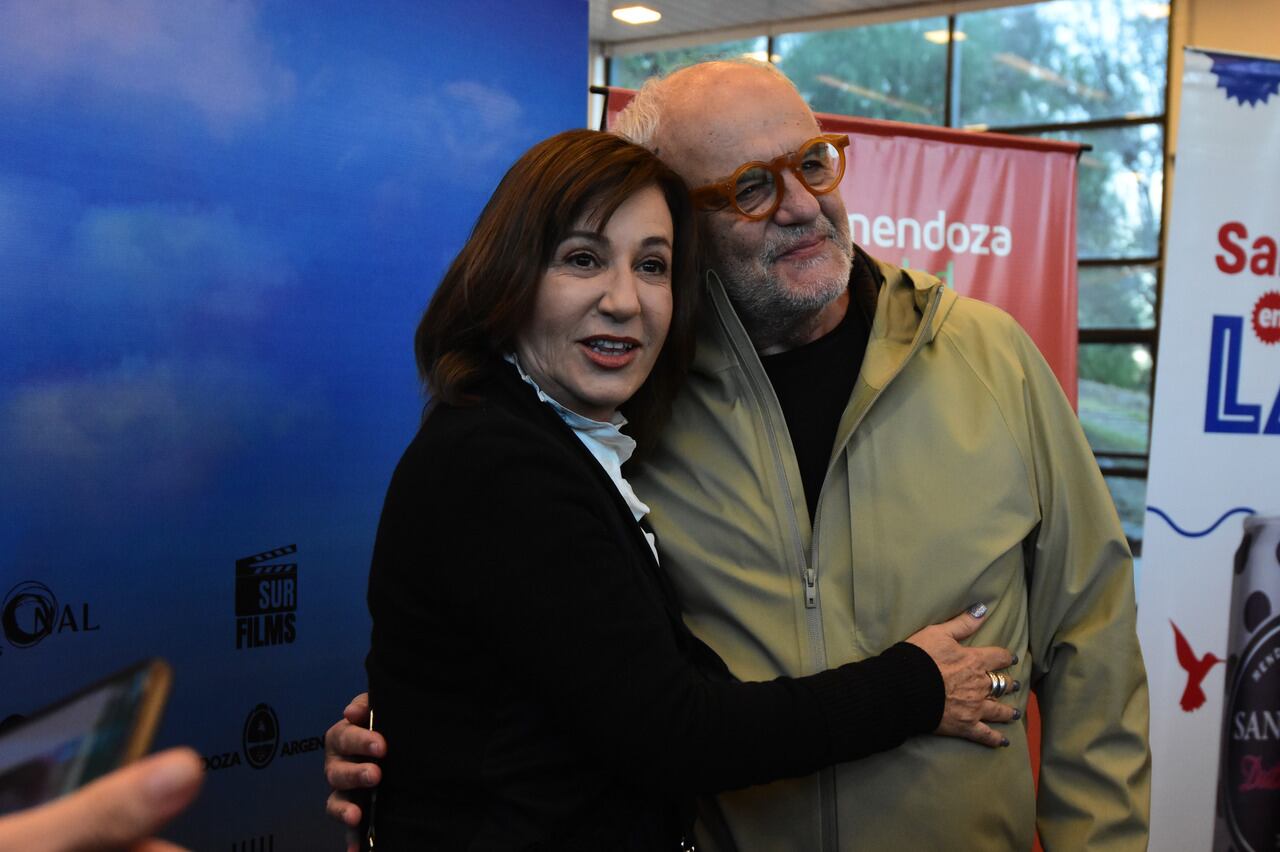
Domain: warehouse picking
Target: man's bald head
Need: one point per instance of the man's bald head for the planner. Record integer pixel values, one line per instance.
(673, 114)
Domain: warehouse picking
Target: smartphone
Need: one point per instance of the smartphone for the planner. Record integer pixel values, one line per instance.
(366, 833)
(68, 744)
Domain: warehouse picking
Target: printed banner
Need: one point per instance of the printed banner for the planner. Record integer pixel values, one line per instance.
(992, 215)
(219, 225)
(1209, 591)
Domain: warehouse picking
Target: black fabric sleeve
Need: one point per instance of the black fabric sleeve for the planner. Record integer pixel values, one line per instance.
(893, 696)
(556, 602)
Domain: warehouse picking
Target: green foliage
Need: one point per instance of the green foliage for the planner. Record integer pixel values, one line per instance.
(1119, 191)
(885, 71)
(1070, 60)
(632, 70)
(1118, 297)
(1121, 365)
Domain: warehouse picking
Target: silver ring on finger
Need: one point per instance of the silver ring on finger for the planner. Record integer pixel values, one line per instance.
(999, 684)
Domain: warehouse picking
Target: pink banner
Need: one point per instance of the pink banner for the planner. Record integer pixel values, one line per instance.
(992, 215)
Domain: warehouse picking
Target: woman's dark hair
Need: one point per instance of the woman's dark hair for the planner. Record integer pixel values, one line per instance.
(488, 292)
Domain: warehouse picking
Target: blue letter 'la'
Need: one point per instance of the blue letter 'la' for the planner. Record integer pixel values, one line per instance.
(1222, 412)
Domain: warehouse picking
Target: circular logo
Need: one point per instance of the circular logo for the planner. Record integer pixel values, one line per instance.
(1266, 318)
(1251, 767)
(261, 736)
(30, 613)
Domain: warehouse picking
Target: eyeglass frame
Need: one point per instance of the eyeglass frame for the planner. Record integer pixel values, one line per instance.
(719, 194)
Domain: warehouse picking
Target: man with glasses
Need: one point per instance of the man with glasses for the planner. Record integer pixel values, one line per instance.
(858, 453)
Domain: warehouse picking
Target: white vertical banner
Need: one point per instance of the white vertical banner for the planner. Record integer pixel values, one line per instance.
(1215, 471)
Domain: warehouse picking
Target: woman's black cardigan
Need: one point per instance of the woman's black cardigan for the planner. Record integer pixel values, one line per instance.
(530, 668)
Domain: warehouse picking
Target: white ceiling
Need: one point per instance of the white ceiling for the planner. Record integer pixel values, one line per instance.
(682, 17)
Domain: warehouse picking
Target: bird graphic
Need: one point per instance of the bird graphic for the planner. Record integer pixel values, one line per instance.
(1197, 668)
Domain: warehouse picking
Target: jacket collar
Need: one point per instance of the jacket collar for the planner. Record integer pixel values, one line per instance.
(906, 309)
(910, 310)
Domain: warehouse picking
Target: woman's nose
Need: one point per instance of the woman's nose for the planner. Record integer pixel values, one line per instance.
(621, 297)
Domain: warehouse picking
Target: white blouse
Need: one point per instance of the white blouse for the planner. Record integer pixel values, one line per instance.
(606, 443)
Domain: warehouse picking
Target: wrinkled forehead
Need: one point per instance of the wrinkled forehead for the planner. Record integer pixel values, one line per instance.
(713, 126)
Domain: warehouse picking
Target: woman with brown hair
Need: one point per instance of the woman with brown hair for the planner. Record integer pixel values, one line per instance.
(529, 663)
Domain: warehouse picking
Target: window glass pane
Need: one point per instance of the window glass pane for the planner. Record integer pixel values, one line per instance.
(896, 71)
(1130, 495)
(631, 70)
(1120, 187)
(1071, 60)
(1115, 395)
(1117, 297)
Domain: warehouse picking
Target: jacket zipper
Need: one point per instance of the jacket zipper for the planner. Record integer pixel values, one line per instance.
(762, 391)
(808, 573)
(808, 566)
(827, 777)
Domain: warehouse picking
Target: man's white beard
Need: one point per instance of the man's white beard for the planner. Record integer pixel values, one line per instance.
(772, 313)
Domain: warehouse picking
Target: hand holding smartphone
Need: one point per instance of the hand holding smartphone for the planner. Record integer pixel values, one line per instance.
(64, 746)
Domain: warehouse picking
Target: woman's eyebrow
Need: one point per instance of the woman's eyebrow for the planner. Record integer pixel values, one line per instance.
(585, 235)
(600, 239)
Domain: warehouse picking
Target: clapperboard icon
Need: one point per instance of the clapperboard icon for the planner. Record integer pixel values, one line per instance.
(264, 586)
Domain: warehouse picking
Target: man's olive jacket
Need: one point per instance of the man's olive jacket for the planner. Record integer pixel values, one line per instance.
(959, 474)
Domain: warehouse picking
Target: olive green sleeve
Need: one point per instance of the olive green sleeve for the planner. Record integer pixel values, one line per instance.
(1095, 777)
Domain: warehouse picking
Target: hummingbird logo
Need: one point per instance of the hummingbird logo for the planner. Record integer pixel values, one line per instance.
(1197, 668)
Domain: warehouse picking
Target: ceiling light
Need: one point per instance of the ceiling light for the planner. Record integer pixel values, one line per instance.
(637, 15)
(1154, 11)
(942, 36)
(762, 56)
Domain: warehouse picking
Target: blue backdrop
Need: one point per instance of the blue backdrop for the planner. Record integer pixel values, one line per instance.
(219, 223)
